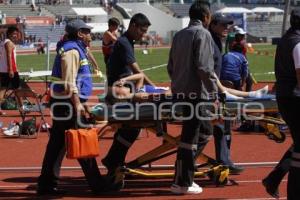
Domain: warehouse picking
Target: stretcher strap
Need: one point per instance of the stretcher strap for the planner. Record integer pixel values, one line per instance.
(192, 147)
(123, 141)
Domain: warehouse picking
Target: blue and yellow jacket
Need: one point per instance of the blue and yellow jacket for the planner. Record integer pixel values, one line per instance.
(83, 79)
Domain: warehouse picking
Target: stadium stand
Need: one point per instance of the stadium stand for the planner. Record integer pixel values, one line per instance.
(163, 8)
(13, 10)
(54, 33)
(61, 10)
(264, 29)
(179, 10)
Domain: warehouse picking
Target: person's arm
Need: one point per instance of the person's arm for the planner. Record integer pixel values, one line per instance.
(245, 70)
(170, 63)
(136, 70)
(9, 47)
(204, 62)
(298, 77)
(94, 62)
(137, 78)
(134, 77)
(129, 58)
(108, 37)
(296, 57)
(69, 66)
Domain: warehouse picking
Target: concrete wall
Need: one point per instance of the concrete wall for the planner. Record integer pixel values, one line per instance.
(162, 23)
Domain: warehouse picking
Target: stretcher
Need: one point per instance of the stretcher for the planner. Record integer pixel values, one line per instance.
(109, 119)
(216, 173)
(264, 111)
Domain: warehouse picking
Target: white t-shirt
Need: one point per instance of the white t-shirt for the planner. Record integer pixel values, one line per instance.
(296, 56)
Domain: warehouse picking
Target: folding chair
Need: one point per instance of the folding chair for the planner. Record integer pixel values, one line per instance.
(30, 106)
(9, 92)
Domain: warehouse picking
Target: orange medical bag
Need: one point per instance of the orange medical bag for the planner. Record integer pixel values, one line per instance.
(82, 143)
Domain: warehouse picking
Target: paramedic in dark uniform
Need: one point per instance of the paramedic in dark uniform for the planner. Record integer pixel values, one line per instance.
(122, 63)
(287, 72)
(191, 69)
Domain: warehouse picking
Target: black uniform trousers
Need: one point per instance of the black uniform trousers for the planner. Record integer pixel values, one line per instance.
(56, 150)
(289, 108)
(123, 139)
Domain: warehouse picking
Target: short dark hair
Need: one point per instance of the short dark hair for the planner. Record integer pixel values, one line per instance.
(238, 47)
(113, 22)
(139, 19)
(199, 9)
(10, 30)
(295, 19)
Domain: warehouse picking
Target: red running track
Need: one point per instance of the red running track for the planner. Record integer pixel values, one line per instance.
(21, 160)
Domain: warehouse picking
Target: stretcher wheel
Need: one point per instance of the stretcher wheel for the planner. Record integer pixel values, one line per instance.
(279, 137)
(273, 132)
(219, 175)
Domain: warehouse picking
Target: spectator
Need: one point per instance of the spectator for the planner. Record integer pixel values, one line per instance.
(32, 6)
(40, 46)
(9, 75)
(235, 67)
(230, 38)
(240, 38)
(109, 38)
(18, 19)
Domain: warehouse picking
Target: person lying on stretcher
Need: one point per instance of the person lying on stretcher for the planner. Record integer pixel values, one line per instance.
(121, 91)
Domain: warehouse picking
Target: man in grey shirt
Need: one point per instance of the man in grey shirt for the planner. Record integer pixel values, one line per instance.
(191, 69)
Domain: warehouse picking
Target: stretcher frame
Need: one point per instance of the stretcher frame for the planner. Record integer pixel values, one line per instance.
(214, 171)
(269, 122)
(217, 173)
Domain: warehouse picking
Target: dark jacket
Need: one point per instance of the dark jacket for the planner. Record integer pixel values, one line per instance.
(191, 63)
(285, 72)
(217, 53)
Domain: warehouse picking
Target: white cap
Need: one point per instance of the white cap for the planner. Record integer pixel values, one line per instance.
(240, 31)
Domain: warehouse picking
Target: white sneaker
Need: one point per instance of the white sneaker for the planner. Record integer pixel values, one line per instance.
(193, 189)
(11, 131)
(195, 185)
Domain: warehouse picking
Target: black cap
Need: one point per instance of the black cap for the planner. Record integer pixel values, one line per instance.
(219, 18)
(75, 25)
(295, 12)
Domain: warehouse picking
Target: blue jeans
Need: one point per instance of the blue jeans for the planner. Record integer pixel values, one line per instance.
(222, 136)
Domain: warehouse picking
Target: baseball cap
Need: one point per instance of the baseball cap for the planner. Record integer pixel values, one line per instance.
(220, 18)
(75, 25)
(240, 31)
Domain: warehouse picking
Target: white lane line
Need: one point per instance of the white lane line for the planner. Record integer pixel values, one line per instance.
(246, 164)
(258, 198)
(14, 186)
(154, 67)
(84, 185)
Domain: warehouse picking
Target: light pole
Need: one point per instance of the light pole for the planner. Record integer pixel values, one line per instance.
(286, 12)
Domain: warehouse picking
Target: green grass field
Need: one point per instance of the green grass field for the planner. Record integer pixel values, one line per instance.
(259, 64)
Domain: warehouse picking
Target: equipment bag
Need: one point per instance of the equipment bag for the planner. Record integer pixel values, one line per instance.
(82, 143)
(9, 104)
(28, 127)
